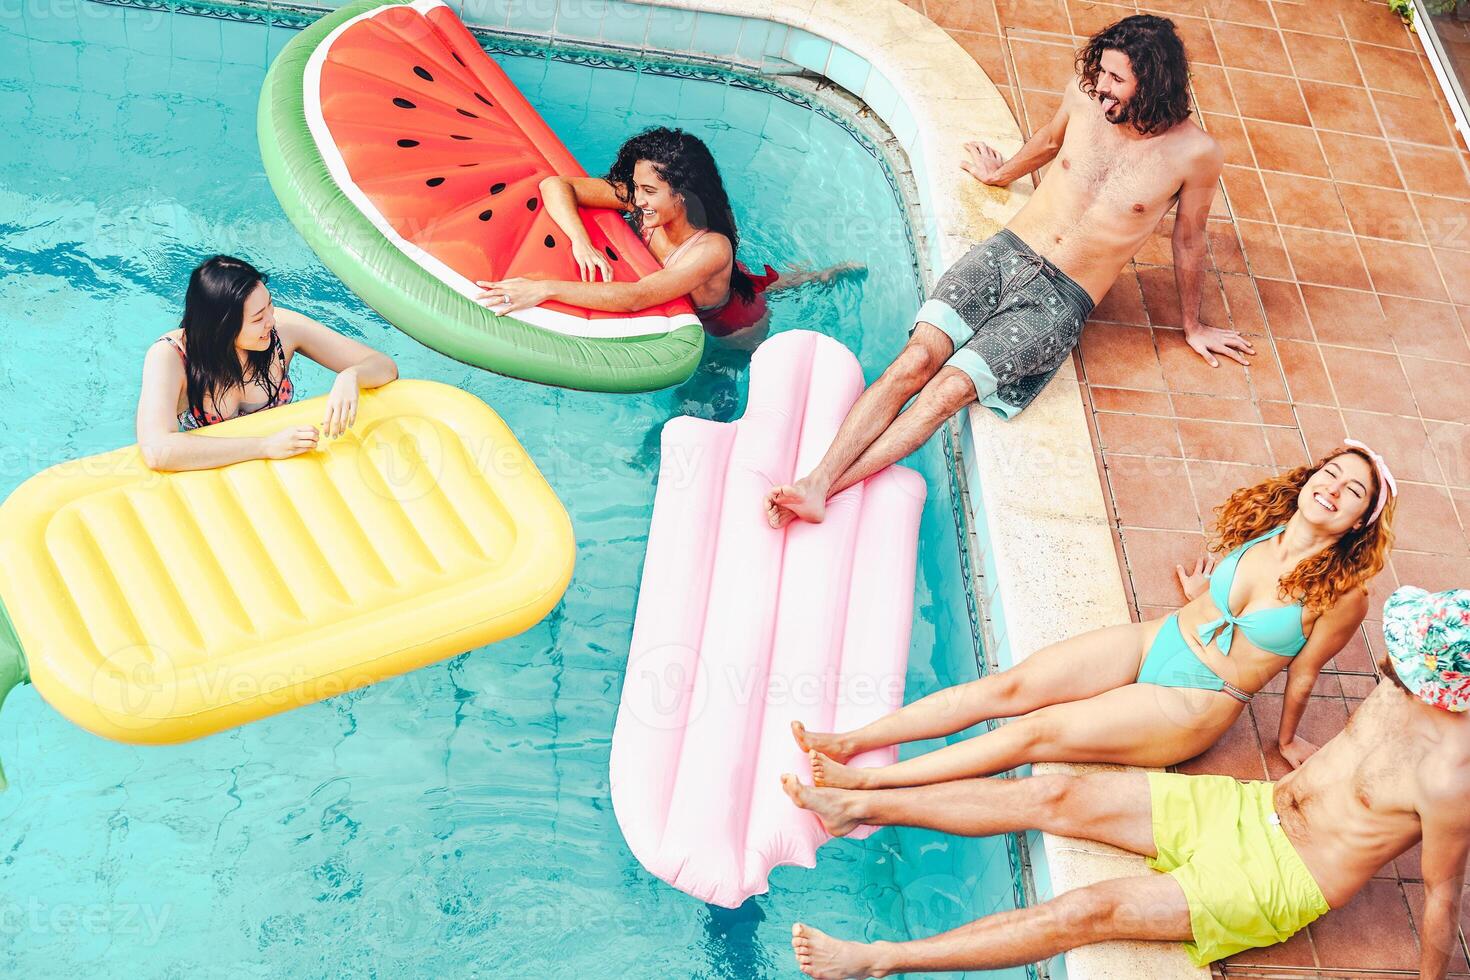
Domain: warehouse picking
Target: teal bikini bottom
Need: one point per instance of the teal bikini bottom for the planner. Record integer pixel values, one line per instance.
(1171, 662)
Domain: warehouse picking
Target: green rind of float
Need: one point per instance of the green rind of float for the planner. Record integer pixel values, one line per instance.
(406, 294)
(13, 671)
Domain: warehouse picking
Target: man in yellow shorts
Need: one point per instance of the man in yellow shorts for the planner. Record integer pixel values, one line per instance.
(1247, 864)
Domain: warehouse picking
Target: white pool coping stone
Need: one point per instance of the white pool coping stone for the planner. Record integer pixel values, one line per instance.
(1034, 483)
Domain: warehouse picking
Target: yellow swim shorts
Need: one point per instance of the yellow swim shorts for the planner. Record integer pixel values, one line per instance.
(1246, 885)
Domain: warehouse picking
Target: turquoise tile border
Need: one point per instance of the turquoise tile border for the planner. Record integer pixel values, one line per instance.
(848, 70)
(531, 18)
(753, 37)
(626, 24)
(485, 13)
(878, 92)
(905, 128)
(808, 50)
(576, 20)
(670, 29)
(717, 35)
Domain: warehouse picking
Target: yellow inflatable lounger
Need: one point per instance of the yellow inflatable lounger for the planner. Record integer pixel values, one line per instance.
(159, 607)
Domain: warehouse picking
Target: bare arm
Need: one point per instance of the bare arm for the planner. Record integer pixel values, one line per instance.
(1191, 218)
(708, 258)
(334, 351)
(1332, 631)
(562, 196)
(165, 448)
(987, 166)
(1446, 823)
(357, 365)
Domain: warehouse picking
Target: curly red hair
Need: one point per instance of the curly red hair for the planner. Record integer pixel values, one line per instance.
(1321, 579)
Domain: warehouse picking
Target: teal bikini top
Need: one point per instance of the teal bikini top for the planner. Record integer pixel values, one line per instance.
(1276, 630)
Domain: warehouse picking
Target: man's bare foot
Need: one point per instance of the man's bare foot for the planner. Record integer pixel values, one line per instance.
(825, 958)
(803, 500)
(827, 772)
(834, 747)
(832, 806)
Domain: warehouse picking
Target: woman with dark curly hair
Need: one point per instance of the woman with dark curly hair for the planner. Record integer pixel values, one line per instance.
(231, 356)
(1288, 594)
(667, 181)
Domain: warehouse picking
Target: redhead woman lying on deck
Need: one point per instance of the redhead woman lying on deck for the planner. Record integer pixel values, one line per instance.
(1289, 594)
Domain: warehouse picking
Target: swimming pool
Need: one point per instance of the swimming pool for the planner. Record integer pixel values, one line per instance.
(455, 820)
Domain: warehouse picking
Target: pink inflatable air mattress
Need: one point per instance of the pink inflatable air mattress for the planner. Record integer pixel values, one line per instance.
(742, 629)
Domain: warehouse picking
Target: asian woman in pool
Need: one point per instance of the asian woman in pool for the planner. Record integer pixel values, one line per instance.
(667, 181)
(231, 356)
(1289, 594)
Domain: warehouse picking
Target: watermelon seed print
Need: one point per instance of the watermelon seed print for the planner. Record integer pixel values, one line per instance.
(466, 113)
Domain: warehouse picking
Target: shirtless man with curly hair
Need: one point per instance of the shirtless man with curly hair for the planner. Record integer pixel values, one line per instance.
(1004, 318)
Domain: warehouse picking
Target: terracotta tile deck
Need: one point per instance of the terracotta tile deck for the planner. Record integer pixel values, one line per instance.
(1341, 244)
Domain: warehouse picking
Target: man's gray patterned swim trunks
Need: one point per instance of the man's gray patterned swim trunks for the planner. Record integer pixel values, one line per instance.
(1013, 316)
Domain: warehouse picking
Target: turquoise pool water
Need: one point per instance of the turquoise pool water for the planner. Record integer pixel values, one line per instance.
(456, 821)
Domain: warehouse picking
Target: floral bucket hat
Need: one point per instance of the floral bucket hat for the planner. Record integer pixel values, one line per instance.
(1428, 636)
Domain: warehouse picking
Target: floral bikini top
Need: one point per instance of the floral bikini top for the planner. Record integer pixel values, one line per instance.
(1277, 629)
(192, 419)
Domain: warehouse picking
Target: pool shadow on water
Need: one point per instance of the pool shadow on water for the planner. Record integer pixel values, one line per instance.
(730, 939)
(714, 392)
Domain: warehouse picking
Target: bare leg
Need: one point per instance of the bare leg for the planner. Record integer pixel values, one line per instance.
(1076, 668)
(793, 278)
(1137, 725)
(875, 408)
(950, 391)
(1148, 907)
(1109, 807)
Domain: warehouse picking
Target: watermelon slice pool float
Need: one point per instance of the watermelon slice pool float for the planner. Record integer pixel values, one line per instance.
(411, 164)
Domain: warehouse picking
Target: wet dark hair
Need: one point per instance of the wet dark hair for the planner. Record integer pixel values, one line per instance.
(1156, 54)
(214, 310)
(686, 164)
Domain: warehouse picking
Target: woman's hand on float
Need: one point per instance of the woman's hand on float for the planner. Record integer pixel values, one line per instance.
(1297, 751)
(592, 263)
(509, 295)
(290, 442)
(1196, 582)
(341, 404)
